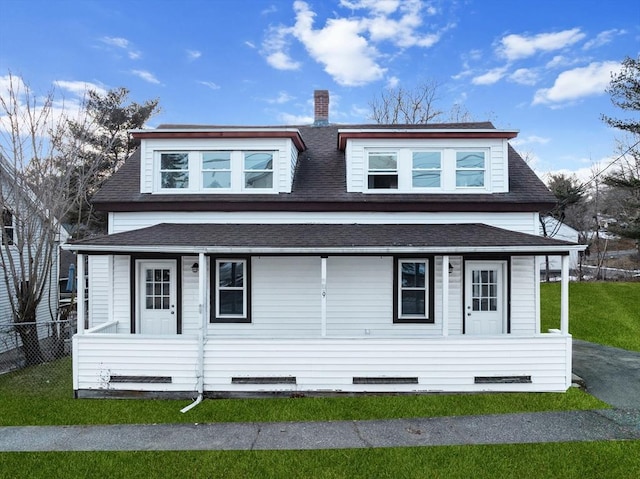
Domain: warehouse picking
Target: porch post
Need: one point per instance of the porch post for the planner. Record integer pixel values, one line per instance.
(445, 295)
(564, 296)
(80, 293)
(202, 299)
(323, 298)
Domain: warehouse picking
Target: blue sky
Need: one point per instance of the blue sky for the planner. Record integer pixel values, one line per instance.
(539, 66)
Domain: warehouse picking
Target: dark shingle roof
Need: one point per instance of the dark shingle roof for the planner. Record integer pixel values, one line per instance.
(446, 237)
(320, 185)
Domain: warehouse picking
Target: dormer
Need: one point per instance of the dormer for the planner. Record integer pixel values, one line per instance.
(437, 159)
(218, 160)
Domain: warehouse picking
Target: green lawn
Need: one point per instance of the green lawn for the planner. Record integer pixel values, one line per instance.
(583, 460)
(43, 395)
(604, 313)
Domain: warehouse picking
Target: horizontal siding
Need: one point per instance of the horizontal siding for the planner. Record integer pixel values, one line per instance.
(97, 357)
(127, 221)
(122, 293)
(523, 295)
(99, 289)
(285, 299)
(439, 364)
(190, 298)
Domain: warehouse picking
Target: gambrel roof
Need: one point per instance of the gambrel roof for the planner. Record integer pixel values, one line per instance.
(319, 183)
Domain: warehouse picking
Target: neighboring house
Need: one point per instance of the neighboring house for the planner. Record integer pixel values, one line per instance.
(562, 231)
(321, 258)
(13, 197)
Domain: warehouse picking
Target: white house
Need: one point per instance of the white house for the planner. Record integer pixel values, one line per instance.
(320, 258)
(559, 230)
(21, 243)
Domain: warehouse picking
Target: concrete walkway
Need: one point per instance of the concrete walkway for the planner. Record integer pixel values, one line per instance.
(492, 429)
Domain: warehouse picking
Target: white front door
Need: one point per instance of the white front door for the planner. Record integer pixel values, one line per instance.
(157, 297)
(485, 297)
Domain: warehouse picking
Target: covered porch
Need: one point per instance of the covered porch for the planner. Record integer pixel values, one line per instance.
(336, 336)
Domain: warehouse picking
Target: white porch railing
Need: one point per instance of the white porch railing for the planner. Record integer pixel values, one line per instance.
(107, 328)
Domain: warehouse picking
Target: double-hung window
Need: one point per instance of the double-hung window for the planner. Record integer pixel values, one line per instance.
(216, 169)
(7, 227)
(413, 295)
(231, 279)
(258, 169)
(426, 169)
(470, 169)
(174, 170)
(382, 173)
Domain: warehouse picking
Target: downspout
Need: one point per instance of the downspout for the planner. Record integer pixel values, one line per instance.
(202, 297)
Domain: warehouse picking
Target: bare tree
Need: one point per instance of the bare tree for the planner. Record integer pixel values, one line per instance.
(34, 193)
(407, 106)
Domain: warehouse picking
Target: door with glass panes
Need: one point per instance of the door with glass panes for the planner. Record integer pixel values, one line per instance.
(485, 297)
(157, 297)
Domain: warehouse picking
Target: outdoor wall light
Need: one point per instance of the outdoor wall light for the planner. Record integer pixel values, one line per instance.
(450, 268)
(195, 267)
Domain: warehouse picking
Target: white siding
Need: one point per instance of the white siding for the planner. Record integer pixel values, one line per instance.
(439, 364)
(99, 289)
(97, 357)
(127, 221)
(190, 300)
(285, 299)
(122, 293)
(523, 295)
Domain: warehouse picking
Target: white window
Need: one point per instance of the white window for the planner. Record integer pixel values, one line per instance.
(258, 169)
(216, 169)
(382, 170)
(413, 295)
(426, 169)
(224, 171)
(174, 170)
(231, 290)
(7, 227)
(470, 169)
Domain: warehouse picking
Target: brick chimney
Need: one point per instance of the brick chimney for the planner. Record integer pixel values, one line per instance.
(321, 107)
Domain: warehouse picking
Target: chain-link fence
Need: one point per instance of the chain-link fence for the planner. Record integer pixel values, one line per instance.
(28, 344)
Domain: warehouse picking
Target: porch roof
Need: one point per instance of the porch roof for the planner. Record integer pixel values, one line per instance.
(323, 238)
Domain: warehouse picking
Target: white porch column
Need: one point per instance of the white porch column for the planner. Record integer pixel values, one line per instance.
(445, 295)
(564, 296)
(80, 292)
(323, 298)
(202, 299)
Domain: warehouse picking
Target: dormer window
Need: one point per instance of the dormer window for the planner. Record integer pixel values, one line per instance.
(470, 169)
(383, 170)
(174, 170)
(427, 169)
(258, 169)
(216, 169)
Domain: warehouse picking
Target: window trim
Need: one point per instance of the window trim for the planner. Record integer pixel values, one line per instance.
(196, 171)
(215, 317)
(382, 171)
(429, 317)
(8, 230)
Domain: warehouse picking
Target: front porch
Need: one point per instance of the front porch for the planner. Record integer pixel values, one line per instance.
(125, 365)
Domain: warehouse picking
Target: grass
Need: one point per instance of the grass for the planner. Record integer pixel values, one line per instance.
(604, 313)
(604, 459)
(42, 395)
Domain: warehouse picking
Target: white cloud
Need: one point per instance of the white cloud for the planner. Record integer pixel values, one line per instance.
(79, 88)
(603, 38)
(123, 44)
(210, 85)
(146, 76)
(289, 119)
(347, 47)
(574, 84)
(392, 82)
(283, 97)
(250, 44)
(524, 76)
(193, 54)
(530, 140)
(515, 47)
(491, 77)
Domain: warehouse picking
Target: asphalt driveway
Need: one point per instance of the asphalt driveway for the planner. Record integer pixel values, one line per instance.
(611, 374)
